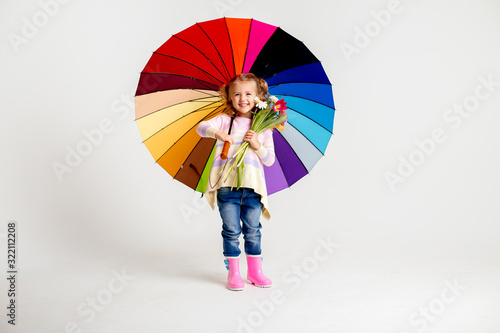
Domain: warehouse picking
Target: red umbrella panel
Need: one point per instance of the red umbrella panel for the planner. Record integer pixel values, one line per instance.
(179, 87)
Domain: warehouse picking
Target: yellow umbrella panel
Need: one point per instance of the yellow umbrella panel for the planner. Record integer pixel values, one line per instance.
(169, 132)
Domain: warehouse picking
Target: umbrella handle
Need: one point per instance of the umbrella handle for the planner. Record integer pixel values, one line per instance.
(225, 151)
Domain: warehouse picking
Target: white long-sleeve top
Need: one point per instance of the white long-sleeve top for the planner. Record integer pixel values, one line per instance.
(253, 174)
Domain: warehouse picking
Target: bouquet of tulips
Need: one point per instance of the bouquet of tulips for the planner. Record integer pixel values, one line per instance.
(271, 113)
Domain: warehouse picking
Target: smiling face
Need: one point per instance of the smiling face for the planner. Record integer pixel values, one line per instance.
(242, 94)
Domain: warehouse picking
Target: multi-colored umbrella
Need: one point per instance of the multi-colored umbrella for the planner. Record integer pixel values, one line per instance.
(179, 87)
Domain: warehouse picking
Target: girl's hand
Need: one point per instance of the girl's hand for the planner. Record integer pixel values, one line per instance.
(224, 137)
(252, 139)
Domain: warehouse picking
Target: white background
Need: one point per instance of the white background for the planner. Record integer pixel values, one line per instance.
(116, 212)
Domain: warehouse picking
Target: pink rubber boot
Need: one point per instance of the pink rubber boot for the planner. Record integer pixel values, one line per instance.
(234, 281)
(255, 274)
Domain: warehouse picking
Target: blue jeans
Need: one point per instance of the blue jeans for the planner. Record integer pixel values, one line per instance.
(235, 205)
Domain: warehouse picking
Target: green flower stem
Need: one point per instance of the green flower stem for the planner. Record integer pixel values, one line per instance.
(263, 120)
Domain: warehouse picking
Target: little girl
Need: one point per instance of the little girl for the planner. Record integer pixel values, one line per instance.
(250, 200)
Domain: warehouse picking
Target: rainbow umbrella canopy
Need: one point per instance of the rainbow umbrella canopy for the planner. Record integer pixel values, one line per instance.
(179, 87)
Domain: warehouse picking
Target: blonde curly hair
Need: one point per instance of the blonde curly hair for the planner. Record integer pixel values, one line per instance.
(261, 85)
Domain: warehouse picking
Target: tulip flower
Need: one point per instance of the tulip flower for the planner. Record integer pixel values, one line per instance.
(271, 114)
